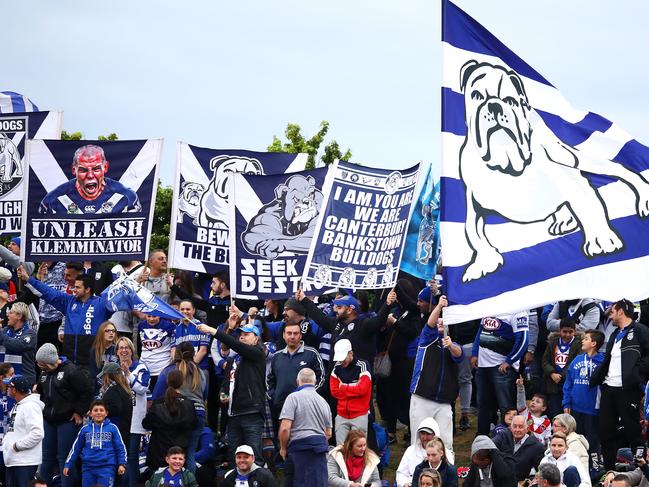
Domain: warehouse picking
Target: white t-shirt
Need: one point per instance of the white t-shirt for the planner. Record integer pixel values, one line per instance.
(614, 375)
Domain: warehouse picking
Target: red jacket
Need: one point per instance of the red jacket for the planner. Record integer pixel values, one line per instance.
(352, 387)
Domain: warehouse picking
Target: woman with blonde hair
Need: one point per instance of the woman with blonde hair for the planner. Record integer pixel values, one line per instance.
(430, 478)
(577, 444)
(193, 388)
(103, 350)
(353, 464)
(138, 378)
(436, 460)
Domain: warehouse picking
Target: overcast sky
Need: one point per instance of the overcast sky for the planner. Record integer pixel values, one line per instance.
(231, 74)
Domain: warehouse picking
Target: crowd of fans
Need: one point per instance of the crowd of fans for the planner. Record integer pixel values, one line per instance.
(244, 393)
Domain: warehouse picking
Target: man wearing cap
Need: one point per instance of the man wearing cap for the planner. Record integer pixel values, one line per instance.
(359, 329)
(21, 445)
(351, 384)
(66, 392)
(434, 386)
(621, 374)
(84, 313)
(287, 362)
(18, 342)
(246, 386)
(303, 433)
(247, 473)
(10, 260)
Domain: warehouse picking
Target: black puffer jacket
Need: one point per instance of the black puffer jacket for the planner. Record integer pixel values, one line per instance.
(65, 391)
(249, 369)
(168, 430)
(635, 357)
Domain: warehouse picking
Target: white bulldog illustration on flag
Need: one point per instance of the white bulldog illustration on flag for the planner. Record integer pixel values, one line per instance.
(509, 155)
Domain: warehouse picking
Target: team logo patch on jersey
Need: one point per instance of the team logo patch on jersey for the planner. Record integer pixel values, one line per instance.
(106, 207)
(73, 208)
(630, 336)
(89, 208)
(490, 324)
(60, 375)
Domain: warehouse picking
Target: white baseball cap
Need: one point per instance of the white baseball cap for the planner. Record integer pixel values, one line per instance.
(341, 349)
(244, 449)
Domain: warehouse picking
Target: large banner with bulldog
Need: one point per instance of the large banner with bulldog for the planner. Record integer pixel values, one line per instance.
(199, 238)
(274, 219)
(89, 200)
(15, 129)
(421, 253)
(361, 231)
(540, 202)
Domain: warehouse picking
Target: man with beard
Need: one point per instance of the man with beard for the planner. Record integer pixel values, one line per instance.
(359, 329)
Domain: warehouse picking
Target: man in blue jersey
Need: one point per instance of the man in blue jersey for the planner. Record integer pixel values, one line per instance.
(90, 191)
(499, 345)
(84, 313)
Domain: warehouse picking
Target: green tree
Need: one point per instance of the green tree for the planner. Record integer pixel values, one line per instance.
(79, 136)
(297, 143)
(160, 229)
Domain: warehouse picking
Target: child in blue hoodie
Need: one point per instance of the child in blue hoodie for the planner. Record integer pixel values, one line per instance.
(101, 449)
(579, 399)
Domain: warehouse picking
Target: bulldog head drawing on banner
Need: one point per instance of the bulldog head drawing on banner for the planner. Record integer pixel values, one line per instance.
(512, 164)
(286, 223)
(11, 171)
(213, 202)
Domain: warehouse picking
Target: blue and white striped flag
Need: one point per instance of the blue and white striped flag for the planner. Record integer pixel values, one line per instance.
(540, 201)
(12, 102)
(126, 294)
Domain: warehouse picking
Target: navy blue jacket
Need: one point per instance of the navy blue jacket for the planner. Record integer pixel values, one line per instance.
(435, 375)
(282, 377)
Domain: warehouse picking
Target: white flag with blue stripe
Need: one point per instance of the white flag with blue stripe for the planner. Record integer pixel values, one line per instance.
(540, 201)
(12, 102)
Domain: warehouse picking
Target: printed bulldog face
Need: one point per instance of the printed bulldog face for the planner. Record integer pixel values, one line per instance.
(496, 113)
(301, 199)
(228, 165)
(190, 198)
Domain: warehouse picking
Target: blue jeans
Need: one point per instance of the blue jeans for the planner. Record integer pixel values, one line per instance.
(193, 444)
(246, 430)
(495, 392)
(57, 443)
(20, 476)
(133, 462)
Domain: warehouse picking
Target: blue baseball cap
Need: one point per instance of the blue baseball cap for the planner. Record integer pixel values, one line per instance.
(4, 287)
(425, 294)
(250, 329)
(350, 301)
(16, 240)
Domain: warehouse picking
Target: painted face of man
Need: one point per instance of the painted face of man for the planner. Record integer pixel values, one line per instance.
(90, 171)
